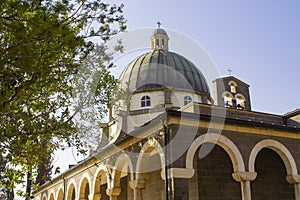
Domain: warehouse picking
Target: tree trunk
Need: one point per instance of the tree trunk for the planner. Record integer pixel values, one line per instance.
(28, 186)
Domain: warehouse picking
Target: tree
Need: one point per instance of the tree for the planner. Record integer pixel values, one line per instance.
(5, 193)
(43, 44)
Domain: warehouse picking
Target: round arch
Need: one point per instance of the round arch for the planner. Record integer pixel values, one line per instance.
(149, 147)
(240, 100)
(122, 161)
(232, 83)
(98, 178)
(71, 186)
(51, 196)
(222, 141)
(44, 196)
(83, 184)
(227, 98)
(277, 147)
(239, 95)
(60, 193)
(227, 94)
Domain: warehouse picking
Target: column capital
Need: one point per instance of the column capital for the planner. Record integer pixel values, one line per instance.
(292, 179)
(139, 183)
(113, 191)
(244, 176)
(178, 173)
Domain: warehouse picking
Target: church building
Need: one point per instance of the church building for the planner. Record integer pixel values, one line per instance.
(174, 140)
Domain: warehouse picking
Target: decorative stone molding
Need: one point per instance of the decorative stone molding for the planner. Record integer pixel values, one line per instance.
(150, 146)
(295, 180)
(277, 147)
(244, 176)
(178, 173)
(292, 179)
(140, 183)
(224, 142)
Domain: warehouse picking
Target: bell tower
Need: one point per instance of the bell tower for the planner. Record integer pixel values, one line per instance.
(159, 39)
(232, 93)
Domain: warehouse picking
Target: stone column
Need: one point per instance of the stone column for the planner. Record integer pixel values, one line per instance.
(295, 179)
(244, 178)
(178, 182)
(137, 186)
(113, 193)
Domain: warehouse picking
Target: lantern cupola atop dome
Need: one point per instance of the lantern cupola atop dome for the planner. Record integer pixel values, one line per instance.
(159, 39)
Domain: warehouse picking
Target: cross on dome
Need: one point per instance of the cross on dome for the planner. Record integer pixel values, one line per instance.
(158, 24)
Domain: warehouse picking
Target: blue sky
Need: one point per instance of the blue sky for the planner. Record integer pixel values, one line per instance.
(258, 40)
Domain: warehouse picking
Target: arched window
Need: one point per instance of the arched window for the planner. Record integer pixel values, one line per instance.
(227, 97)
(240, 102)
(157, 42)
(145, 101)
(232, 86)
(187, 100)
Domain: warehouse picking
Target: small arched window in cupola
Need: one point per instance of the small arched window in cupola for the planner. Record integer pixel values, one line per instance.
(145, 101)
(240, 102)
(187, 100)
(232, 86)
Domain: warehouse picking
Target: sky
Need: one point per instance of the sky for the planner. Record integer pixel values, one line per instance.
(259, 40)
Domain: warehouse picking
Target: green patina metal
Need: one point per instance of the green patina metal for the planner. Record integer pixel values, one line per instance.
(159, 68)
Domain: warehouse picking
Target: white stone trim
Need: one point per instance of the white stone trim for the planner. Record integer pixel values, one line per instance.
(121, 161)
(178, 173)
(60, 188)
(51, 193)
(222, 141)
(232, 83)
(44, 196)
(70, 183)
(150, 146)
(236, 96)
(280, 149)
(96, 175)
(84, 178)
(225, 93)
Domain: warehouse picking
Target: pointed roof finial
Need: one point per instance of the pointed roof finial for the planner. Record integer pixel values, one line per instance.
(158, 24)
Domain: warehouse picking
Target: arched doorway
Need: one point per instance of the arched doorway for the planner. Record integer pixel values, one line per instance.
(51, 196)
(71, 192)
(213, 176)
(60, 195)
(271, 177)
(101, 183)
(84, 190)
(149, 167)
(122, 176)
(214, 158)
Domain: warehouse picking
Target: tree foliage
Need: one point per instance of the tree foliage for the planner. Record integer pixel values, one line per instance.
(5, 193)
(43, 43)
